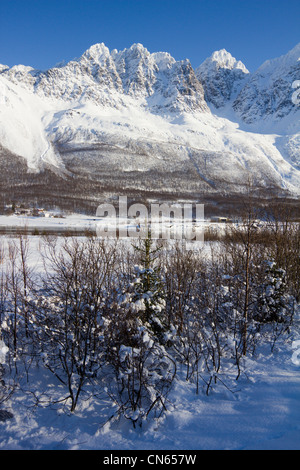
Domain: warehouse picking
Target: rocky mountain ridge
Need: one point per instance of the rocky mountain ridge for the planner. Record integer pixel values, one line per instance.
(147, 120)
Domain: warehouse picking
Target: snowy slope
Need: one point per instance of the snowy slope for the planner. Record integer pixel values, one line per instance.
(22, 125)
(149, 112)
(268, 93)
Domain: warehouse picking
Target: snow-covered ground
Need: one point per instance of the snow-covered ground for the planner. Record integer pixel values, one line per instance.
(70, 221)
(81, 222)
(259, 411)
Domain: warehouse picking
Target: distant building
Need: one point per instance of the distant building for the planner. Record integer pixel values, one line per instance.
(220, 219)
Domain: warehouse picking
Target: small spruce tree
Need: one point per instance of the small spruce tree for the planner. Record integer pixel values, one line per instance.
(148, 287)
(272, 303)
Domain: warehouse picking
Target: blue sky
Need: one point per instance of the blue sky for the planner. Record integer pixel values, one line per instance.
(42, 33)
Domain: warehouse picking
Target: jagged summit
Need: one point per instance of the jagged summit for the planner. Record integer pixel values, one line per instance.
(97, 52)
(156, 80)
(222, 77)
(222, 59)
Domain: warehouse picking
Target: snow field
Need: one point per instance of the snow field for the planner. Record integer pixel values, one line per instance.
(259, 411)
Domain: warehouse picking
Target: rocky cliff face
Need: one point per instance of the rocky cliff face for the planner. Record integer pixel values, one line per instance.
(222, 77)
(104, 78)
(267, 95)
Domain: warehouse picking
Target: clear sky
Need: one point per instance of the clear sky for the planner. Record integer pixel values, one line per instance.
(42, 33)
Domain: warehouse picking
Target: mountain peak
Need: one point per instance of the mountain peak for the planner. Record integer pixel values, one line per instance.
(138, 47)
(136, 50)
(97, 52)
(222, 77)
(224, 60)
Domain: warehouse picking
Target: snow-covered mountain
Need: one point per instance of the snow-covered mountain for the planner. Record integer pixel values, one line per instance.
(144, 120)
(105, 78)
(267, 95)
